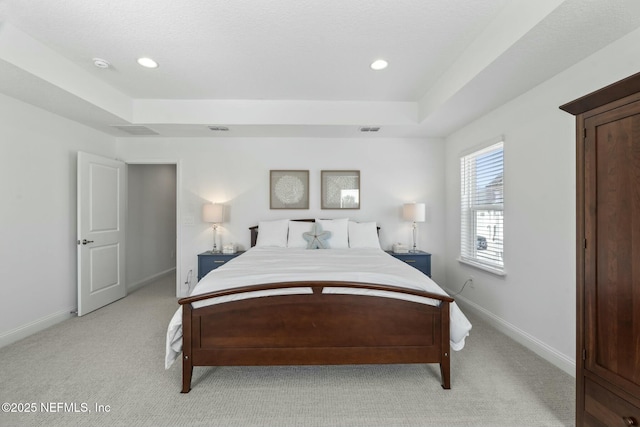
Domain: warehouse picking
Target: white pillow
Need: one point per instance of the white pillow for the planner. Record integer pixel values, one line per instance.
(296, 228)
(363, 235)
(339, 232)
(273, 233)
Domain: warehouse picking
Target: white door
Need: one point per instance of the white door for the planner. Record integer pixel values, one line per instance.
(101, 219)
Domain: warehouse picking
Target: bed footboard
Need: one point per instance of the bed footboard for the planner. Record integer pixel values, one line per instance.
(315, 329)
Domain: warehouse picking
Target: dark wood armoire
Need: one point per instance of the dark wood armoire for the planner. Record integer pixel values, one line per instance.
(608, 255)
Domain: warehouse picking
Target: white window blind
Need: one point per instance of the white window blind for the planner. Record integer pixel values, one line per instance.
(482, 207)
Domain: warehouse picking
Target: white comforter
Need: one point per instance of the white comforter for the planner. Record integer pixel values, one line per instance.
(272, 265)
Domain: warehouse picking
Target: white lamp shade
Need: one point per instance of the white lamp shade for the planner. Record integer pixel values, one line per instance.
(414, 212)
(213, 212)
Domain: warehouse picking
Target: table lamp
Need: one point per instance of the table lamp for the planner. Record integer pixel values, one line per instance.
(214, 214)
(414, 212)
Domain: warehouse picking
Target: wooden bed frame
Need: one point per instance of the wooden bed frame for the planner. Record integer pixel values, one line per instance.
(314, 329)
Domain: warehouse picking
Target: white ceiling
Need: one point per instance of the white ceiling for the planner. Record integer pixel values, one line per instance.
(294, 67)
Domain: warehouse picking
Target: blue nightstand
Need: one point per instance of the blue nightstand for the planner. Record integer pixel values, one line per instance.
(208, 261)
(420, 260)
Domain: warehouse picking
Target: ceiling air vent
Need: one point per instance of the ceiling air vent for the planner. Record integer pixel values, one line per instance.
(218, 128)
(369, 129)
(135, 130)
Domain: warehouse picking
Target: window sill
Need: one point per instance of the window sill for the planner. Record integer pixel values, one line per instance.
(492, 270)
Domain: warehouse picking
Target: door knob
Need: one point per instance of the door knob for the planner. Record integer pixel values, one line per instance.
(85, 241)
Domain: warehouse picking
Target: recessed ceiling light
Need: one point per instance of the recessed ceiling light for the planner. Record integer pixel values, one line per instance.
(147, 63)
(379, 64)
(101, 63)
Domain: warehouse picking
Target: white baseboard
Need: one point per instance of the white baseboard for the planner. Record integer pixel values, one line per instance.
(31, 328)
(135, 286)
(548, 353)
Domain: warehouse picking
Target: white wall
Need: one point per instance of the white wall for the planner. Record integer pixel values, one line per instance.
(535, 302)
(151, 222)
(38, 153)
(235, 171)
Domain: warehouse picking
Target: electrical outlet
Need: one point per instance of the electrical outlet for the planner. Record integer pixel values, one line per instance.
(471, 282)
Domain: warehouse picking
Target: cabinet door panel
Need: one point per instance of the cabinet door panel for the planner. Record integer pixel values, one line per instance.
(612, 257)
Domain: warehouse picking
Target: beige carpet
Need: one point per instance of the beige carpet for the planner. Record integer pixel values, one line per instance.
(113, 358)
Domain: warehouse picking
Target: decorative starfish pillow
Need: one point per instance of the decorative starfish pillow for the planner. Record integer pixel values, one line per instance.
(316, 238)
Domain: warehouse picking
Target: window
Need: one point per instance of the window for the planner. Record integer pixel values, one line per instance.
(482, 207)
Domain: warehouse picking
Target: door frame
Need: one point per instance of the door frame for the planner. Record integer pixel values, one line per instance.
(178, 165)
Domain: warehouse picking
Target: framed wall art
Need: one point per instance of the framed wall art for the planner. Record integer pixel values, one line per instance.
(289, 189)
(340, 189)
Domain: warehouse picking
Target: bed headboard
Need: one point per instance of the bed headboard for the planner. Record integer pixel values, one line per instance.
(254, 230)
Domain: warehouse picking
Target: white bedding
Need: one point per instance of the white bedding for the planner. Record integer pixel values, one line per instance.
(261, 265)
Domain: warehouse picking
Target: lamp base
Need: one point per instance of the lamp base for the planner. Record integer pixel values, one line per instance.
(414, 249)
(215, 249)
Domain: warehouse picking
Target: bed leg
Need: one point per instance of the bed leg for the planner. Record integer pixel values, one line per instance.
(445, 371)
(187, 361)
(445, 355)
(187, 372)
